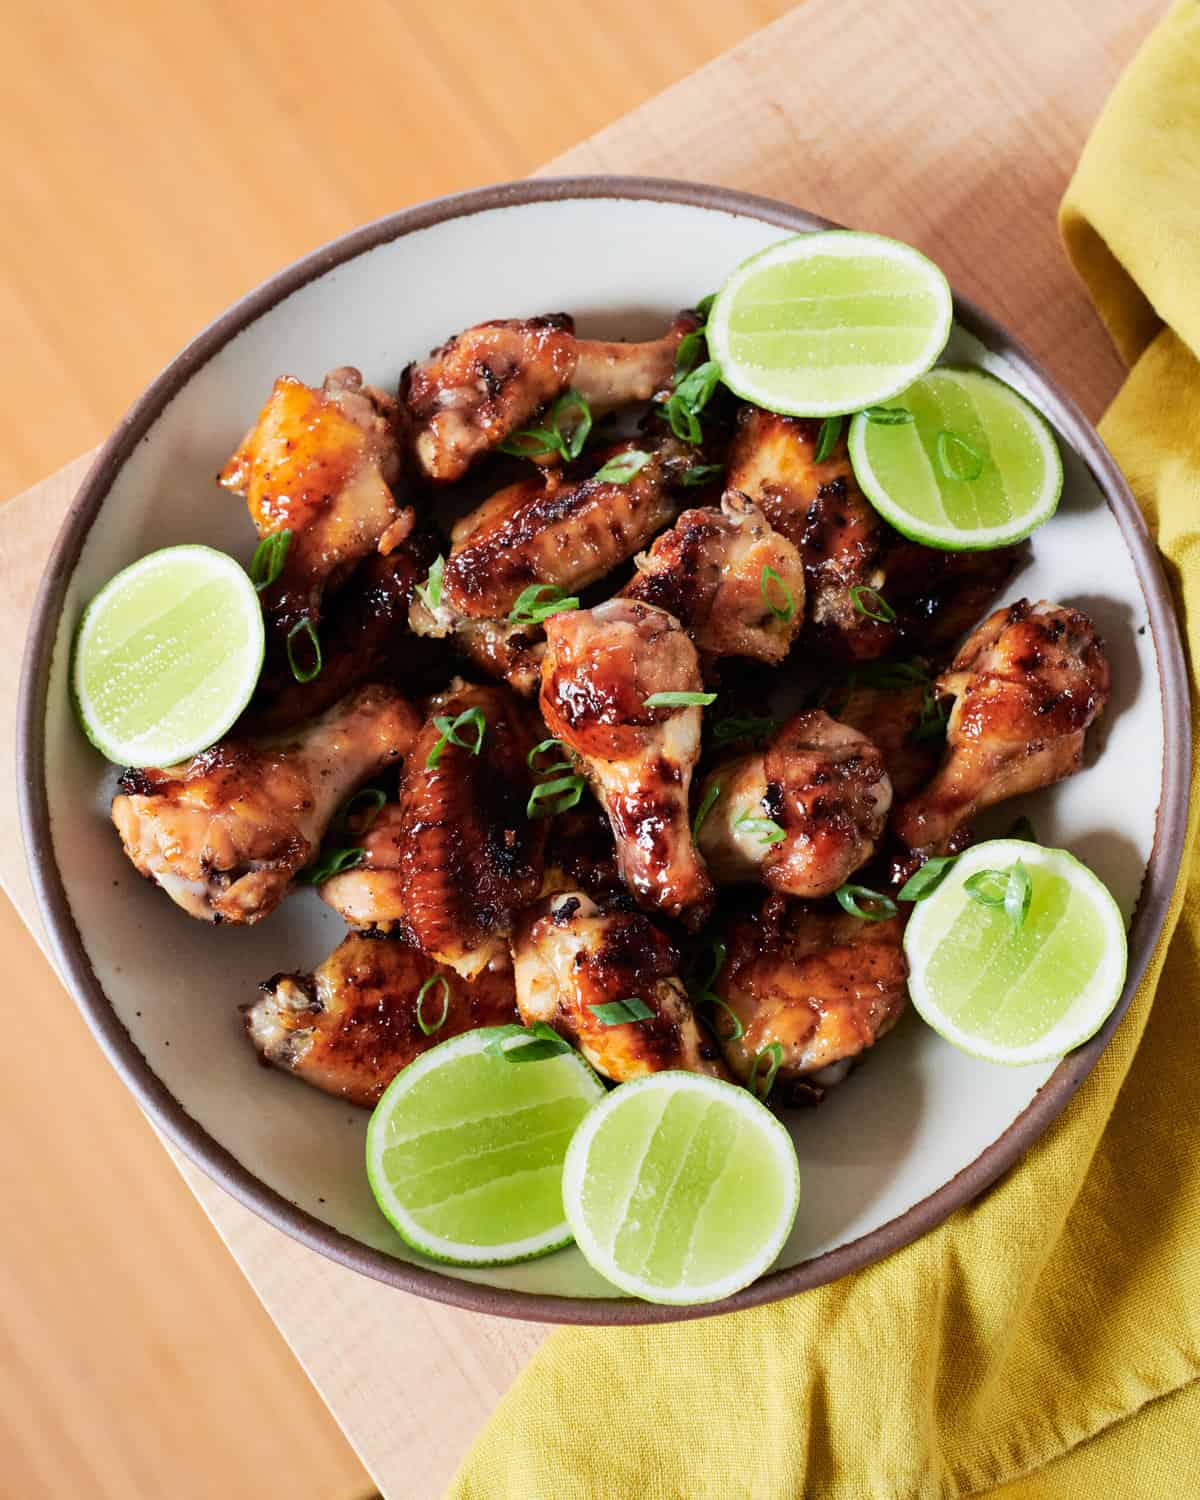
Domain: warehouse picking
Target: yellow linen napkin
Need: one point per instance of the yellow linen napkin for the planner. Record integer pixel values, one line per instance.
(1014, 1351)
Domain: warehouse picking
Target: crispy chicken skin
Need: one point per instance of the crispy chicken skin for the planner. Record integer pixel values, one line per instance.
(224, 834)
(821, 983)
(1027, 684)
(467, 855)
(845, 544)
(600, 667)
(320, 464)
(570, 956)
(491, 380)
(822, 784)
(350, 1026)
(710, 572)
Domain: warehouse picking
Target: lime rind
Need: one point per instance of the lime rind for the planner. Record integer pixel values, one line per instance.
(579, 1083)
(771, 1138)
(921, 483)
(884, 258)
(934, 919)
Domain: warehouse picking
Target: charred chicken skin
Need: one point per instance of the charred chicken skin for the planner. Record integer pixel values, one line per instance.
(350, 1026)
(486, 383)
(570, 958)
(800, 815)
(224, 834)
(601, 666)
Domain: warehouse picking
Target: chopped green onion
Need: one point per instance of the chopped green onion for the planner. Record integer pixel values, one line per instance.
(767, 829)
(709, 802)
(540, 1041)
(888, 416)
(429, 1027)
(704, 306)
(761, 1088)
(688, 352)
(889, 674)
(430, 592)
(329, 862)
(783, 611)
(559, 765)
(269, 558)
(536, 442)
(680, 700)
(719, 953)
(737, 1031)
(934, 717)
(531, 442)
(749, 728)
(704, 994)
(538, 602)
(622, 467)
(371, 798)
(619, 1012)
(1022, 829)
(927, 879)
(549, 798)
(831, 430)
(1012, 889)
(684, 423)
(306, 628)
(956, 458)
(878, 908)
(870, 602)
(700, 474)
(689, 398)
(470, 718)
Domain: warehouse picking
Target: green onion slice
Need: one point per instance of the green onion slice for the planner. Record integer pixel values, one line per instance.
(1011, 889)
(538, 602)
(306, 628)
(733, 727)
(269, 558)
(619, 1012)
(865, 904)
(430, 592)
(888, 416)
(769, 577)
(622, 467)
(706, 806)
(549, 798)
(704, 306)
(370, 799)
(700, 474)
(329, 862)
(870, 602)
(736, 1030)
(926, 880)
(958, 459)
(680, 700)
(449, 730)
(761, 1086)
(831, 430)
(688, 353)
(545, 748)
(537, 1042)
(767, 830)
(429, 1027)
(560, 435)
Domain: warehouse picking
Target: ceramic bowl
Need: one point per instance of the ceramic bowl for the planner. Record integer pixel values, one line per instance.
(920, 1128)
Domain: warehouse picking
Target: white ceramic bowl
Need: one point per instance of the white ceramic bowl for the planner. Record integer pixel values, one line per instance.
(915, 1132)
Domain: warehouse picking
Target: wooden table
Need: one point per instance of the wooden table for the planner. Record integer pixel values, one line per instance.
(950, 123)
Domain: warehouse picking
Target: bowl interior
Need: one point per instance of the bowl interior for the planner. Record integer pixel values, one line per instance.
(917, 1113)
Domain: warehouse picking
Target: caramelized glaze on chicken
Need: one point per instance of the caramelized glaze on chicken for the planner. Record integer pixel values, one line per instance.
(484, 384)
(601, 666)
(1026, 684)
(733, 582)
(224, 834)
(902, 721)
(800, 815)
(570, 958)
(822, 984)
(350, 1026)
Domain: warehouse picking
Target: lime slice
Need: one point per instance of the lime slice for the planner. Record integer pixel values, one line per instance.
(977, 467)
(826, 323)
(465, 1150)
(680, 1188)
(1009, 991)
(167, 656)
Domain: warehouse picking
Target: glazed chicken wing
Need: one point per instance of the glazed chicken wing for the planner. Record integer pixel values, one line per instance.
(823, 984)
(350, 1026)
(320, 464)
(902, 721)
(735, 584)
(601, 666)
(1026, 686)
(224, 834)
(570, 958)
(800, 815)
(491, 380)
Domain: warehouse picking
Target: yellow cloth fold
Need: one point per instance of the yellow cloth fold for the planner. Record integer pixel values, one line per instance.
(1043, 1343)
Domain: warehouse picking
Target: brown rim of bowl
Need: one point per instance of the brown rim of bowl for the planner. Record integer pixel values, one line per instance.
(165, 1110)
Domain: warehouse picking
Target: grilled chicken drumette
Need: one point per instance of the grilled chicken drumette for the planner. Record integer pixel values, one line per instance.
(351, 1025)
(571, 958)
(224, 834)
(601, 667)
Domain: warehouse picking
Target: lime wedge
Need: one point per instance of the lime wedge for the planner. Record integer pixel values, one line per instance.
(680, 1188)
(976, 467)
(465, 1150)
(1014, 990)
(167, 656)
(826, 323)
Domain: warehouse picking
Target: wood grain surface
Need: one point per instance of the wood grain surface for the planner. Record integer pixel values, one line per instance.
(138, 1364)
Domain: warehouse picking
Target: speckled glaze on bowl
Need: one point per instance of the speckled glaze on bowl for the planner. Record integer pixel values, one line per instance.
(914, 1133)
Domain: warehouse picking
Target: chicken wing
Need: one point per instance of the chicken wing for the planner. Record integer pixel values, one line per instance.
(350, 1026)
(601, 666)
(822, 984)
(902, 719)
(489, 381)
(735, 584)
(570, 958)
(800, 815)
(1026, 684)
(320, 464)
(224, 834)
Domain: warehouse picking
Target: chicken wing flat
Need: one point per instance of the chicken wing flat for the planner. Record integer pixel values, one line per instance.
(822, 984)
(571, 959)
(600, 667)
(901, 718)
(320, 464)
(1026, 684)
(735, 584)
(350, 1026)
(802, 814)
(224, 834)
(491, 380)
